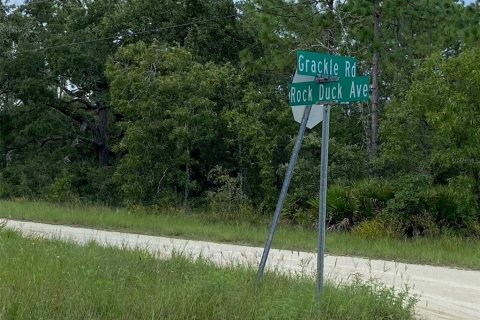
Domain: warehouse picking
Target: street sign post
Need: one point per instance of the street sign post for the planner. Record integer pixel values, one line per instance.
(283, 192)
(319, 79)
(322, 208)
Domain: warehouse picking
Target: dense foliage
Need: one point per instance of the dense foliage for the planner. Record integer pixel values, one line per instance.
(184, 103)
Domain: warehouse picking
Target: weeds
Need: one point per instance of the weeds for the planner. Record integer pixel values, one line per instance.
(42, 279)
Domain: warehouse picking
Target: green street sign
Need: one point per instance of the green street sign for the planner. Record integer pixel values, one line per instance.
(344, 90)
(320, 64)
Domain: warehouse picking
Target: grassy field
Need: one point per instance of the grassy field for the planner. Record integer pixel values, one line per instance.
(449, 251)
(42, 279)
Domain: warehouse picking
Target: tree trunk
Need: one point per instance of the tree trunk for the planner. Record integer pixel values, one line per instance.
(375, 71)
(187, 181)
(101, 139)
(330, 31)
(365, 119)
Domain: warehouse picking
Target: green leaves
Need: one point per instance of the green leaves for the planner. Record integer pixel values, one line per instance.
(151, 96)
(173, 107)
(435, 132)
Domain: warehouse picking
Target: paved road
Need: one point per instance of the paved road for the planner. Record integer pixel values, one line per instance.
(444, 293)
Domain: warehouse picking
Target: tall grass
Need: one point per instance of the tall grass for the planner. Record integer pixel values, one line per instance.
(42, 279)
(444, 250)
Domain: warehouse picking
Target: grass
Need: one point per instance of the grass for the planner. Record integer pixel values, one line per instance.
(44, 279)
(446, 251)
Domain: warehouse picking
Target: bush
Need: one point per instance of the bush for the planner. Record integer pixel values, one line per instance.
(379, 227)
(411, 206)
(20, 182)
(452, 206)
(422, 224)
(370, 229)
(370, 197)
(424, 208)
(362, 200)
(475, 230)
(83, 183)
(340, 204)
(62, 190)
(227, 197)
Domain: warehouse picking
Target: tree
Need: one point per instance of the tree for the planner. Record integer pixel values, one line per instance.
(395, 35)
(54, 74)
(433, 131)
(174, 130)
(209, 29)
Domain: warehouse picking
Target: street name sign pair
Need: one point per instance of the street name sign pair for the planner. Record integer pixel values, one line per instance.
(323, 78)
(320, 80)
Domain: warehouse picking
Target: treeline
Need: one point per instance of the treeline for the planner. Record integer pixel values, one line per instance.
(184, 103)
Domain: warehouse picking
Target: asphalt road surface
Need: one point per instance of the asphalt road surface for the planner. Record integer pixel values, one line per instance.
(444, 293)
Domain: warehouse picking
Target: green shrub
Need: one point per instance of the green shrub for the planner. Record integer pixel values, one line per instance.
(463, 188)
(362, 200)
(379, 227)
(17, 182)
(340, 204)
(62, 190)
(373, 228)
(96, 184)
(408, 200)
(422, 206)
(78, 183)
(227, 197)
(475, 230)
(425, 224)
(453, 206)
(370, 197)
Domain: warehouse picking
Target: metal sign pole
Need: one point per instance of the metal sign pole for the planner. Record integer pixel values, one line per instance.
(323, 199)
(283, 192)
